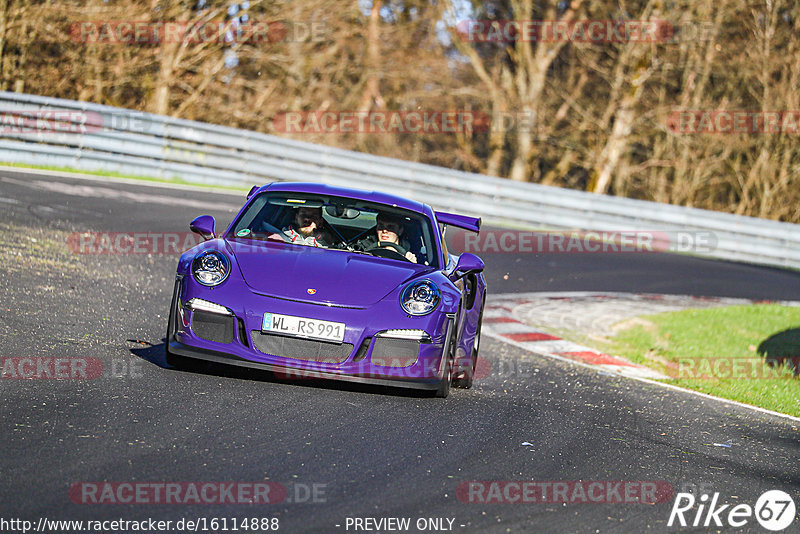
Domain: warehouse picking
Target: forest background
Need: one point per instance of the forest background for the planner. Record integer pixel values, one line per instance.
(706, 114)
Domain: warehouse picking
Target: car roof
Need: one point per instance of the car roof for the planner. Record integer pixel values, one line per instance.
(359, 194)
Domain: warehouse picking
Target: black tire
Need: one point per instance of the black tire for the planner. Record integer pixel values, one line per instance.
(465, 381)
(171, 358)
(444, 385)
(447, 377)
(174, 360)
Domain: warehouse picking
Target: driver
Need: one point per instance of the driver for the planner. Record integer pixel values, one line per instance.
(308, 228)
(389, 230)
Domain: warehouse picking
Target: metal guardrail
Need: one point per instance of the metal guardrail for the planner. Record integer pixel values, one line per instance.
(137, 143)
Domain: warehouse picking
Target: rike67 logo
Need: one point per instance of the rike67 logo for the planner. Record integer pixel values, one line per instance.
(774, 510)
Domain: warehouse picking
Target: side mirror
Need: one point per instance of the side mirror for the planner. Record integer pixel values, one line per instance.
(467, 263)
(203, 225)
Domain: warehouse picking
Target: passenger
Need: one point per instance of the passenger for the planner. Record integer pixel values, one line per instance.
(308, 228)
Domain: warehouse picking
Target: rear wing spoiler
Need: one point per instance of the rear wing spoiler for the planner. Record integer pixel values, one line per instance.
(473, 224)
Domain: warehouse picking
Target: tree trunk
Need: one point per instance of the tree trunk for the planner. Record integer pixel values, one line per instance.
(497, 135)
(3, 23)
(372, 88)
(617, 142)
(520, 170)
(166, 72)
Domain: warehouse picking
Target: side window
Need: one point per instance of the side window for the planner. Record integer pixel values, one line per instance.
(471, 290)
(253, 216)
(442, 229)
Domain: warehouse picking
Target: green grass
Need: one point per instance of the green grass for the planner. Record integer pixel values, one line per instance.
(721, 351)
(113, 174)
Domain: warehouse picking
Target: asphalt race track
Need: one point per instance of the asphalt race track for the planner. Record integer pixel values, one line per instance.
(342, 451)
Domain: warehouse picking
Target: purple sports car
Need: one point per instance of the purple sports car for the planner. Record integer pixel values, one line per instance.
(316, 281)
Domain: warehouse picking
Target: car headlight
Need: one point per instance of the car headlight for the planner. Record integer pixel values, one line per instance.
(420, 298)
(210, 268)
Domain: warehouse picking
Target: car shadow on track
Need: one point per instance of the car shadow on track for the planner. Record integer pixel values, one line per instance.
(155, 355)
(782, 349)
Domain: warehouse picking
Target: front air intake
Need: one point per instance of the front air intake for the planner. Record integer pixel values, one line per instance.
(212, 326)
(296, 348)
(392, 352)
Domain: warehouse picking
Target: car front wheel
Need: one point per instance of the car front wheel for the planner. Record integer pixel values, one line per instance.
(447, 377)
(173, 360)
(465, 380)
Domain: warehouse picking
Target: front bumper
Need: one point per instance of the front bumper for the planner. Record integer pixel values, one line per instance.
(352, 361)
(180, 349)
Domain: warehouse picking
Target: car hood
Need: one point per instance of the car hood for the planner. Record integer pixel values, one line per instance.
(315, 275)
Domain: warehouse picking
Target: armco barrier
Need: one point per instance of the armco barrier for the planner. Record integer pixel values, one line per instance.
(137, 143)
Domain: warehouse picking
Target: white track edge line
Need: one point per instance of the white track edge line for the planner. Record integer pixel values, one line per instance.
(131, 181)
(646, 380)
(505, 299)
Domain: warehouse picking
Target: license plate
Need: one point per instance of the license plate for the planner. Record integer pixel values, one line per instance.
(303, 327)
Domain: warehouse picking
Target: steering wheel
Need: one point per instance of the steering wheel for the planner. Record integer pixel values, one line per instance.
(387, 249)
(271, 230)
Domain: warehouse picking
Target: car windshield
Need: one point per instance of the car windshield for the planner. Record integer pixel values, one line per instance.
(341, 224)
